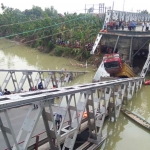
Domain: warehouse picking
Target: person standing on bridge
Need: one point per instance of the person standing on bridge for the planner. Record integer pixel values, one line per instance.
(122, 25)
(147, 26)
(143, 25)
(111, 24)
(58, 119)
(40, 86)
(117, 25)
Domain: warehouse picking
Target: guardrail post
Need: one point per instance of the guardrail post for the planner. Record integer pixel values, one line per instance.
(37, 142)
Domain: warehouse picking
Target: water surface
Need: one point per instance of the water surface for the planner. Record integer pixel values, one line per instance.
(123, 134)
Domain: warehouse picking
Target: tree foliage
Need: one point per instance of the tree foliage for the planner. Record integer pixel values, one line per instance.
(144, 12)
(45, 29)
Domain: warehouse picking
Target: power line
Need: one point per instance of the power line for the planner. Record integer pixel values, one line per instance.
(34, 20)
(39, 38)
(23, 22)
(41, 28)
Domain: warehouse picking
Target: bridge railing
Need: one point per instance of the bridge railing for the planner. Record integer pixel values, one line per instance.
(96, 99)
(18, 78)
(126, 16)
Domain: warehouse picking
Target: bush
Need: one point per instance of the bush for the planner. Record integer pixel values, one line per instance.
(76, 51)
(58, 51)
(81, 54)
(67, 51)
(50, 47)
(38, 43)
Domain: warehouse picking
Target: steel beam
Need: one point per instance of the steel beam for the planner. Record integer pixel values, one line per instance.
(116, 44)
(93, 98)
(58, 78)
(130, 54)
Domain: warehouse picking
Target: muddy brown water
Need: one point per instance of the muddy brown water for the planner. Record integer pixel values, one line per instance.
(123, 134)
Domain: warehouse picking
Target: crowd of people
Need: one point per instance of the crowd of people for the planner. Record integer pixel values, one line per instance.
(145, 25)
(120, 25)
(40, 87)
(114, 25)
(131, 25)
(62, 42)
(75, 44)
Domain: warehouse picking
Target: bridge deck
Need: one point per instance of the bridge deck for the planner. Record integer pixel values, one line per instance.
(31, 78)
(127, 33)
(83, 127)
(94, 98)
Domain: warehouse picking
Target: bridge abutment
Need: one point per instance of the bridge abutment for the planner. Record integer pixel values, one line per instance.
(126, 43)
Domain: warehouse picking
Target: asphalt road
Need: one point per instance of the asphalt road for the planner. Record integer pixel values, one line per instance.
(17, 116)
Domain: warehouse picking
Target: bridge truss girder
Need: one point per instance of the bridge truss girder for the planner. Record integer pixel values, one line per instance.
(96, 99)
(33, 77)
(126, 16)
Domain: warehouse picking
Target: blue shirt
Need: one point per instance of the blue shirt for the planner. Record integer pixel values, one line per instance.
(57, 116)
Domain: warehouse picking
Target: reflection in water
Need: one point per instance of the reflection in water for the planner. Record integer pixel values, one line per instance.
(123, 134)
(21, 57)
(37, 60)
(113, 130)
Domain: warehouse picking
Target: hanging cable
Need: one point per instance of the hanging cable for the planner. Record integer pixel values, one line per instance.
(32, 31)
(37, 29)
(23, 22)
(40, 38)
(11, 24)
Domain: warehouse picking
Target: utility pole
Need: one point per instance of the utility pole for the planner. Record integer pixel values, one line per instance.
(112, 10)
(123, 4)
(113, 6)
(95, 7)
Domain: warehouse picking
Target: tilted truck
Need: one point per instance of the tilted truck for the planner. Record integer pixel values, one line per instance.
(116, 67)
(112, 65)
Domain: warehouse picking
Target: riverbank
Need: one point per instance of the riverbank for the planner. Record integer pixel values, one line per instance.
(119, 133)
(76, 53)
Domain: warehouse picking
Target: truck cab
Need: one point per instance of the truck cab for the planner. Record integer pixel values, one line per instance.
(112, 63)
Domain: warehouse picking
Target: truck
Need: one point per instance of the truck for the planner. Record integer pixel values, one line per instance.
(112, 65)
(116, 66)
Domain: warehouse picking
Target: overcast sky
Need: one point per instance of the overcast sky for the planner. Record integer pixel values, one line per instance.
(76, 5)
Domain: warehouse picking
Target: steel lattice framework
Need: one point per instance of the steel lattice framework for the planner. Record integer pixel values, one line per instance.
(126, 16)
(33, 77)
(97, 99)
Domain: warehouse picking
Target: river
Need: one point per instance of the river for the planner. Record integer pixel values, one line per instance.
(123, 134)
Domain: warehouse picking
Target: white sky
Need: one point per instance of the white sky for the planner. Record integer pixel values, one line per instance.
(75, 5)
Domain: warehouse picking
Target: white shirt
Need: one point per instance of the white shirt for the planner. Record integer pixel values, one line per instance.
(147, 24)
(143, 24)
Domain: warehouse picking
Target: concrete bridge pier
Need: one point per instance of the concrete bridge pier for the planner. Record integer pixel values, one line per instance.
(131, 45)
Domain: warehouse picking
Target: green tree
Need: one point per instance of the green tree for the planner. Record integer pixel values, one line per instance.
(144, 12)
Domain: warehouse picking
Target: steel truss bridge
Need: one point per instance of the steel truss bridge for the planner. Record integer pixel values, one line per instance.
(33, 77)
(126, 16)
(94, 98)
